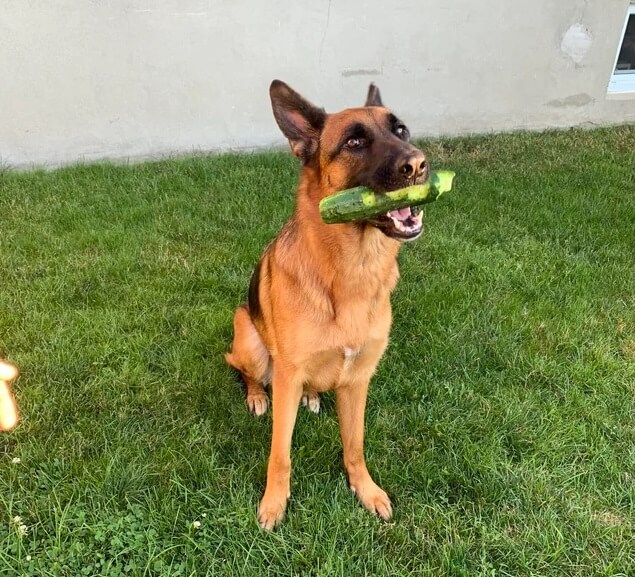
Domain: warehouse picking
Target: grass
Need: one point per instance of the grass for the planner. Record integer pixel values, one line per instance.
(501, 419)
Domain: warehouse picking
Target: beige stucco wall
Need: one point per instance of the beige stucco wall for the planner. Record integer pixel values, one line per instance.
(89, 79)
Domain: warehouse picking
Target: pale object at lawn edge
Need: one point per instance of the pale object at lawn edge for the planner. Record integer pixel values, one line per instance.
(8, 410)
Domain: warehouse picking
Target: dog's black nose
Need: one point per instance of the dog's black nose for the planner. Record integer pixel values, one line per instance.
(413, 166)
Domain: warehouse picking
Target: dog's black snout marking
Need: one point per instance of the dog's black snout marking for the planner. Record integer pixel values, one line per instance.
(413, 166)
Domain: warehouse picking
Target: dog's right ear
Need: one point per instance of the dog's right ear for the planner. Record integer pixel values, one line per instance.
(300, 121)
(373, 98)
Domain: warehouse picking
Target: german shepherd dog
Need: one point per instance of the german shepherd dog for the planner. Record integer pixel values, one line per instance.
(318, 313)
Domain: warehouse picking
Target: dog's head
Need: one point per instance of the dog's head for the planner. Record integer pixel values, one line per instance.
(366, 146)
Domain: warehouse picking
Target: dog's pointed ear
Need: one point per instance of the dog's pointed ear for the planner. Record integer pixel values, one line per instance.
(373, 98)
(300, 121)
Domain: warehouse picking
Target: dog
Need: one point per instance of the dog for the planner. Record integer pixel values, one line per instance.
(318, 313)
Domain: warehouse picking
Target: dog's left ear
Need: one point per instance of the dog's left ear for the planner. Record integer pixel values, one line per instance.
(300, 121)
(373, 98)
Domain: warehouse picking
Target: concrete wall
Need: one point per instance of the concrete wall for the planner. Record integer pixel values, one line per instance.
(90, 79)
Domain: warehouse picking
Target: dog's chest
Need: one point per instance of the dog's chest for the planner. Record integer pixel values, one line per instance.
(363, 290)
(350, 354)
(327, 369)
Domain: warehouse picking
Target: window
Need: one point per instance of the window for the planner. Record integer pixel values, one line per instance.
(623, 77)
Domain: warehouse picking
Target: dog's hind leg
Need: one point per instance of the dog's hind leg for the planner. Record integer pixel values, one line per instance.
(250, 356)
(311, 400)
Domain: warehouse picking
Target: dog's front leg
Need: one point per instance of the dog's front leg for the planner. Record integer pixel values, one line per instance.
(351, 407)
(287, 392)
(351, 403)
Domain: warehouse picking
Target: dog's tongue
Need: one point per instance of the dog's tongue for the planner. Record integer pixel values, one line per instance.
(402, 213)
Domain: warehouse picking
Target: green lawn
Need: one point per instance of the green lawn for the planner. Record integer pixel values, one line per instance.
(501, 420)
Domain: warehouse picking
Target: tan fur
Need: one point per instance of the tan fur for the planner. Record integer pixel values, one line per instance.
(324, 294)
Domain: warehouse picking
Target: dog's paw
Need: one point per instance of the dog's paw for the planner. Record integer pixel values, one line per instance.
(311, 401)
(258, 404)
(375, 500)
(271, 512)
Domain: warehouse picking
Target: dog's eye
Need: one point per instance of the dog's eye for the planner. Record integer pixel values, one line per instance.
(353, 143)
(402, 132)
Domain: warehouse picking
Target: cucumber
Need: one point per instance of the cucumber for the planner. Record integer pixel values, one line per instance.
(361, 203)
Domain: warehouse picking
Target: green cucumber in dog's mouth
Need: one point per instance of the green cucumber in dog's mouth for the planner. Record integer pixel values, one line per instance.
(362, 203)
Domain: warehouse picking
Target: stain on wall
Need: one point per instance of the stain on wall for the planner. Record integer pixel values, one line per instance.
(575, 100)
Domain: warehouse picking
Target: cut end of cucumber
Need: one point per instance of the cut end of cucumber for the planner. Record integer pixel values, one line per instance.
(442, 181)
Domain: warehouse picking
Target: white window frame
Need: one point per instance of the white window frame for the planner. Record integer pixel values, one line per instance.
(622, 82)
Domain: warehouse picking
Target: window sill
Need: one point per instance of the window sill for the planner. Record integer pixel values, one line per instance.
(621, 95)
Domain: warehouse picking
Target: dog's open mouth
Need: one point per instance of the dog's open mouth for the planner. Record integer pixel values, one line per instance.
(403, 224)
